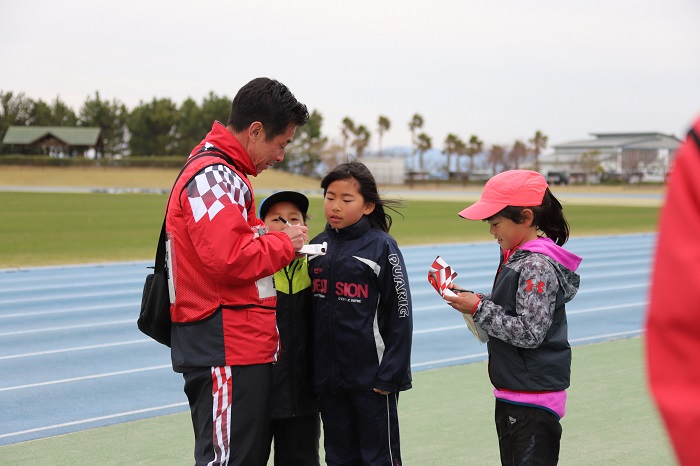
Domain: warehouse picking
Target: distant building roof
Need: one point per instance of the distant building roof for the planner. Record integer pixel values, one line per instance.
(615, 152)
(70, 136)
(623, 141)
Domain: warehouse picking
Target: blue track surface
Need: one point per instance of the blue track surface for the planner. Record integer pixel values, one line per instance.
(71, 357)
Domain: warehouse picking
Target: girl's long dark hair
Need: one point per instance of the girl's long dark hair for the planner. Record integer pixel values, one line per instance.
(548, 217)
(368, 189)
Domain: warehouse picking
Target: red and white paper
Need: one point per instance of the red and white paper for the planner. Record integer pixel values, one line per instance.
(441, 275)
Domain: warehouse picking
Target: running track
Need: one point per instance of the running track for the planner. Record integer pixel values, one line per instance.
(71, 357)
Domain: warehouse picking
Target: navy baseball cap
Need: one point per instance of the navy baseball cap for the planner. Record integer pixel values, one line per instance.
(296, 198)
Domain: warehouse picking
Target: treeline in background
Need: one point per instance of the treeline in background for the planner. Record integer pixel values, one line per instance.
(162, 128)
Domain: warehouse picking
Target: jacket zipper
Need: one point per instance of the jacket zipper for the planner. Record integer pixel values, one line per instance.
(330, 313)
(292, 360)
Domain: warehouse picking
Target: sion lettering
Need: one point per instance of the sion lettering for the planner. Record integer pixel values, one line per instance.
(352, 290)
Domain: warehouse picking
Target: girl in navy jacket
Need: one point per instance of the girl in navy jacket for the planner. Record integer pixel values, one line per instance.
(362, 322)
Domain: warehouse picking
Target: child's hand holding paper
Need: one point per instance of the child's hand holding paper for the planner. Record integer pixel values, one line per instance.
(441, 276)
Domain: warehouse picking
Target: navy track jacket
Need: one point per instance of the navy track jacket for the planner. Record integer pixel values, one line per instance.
(363, 321)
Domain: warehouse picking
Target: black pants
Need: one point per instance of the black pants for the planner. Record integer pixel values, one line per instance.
(229, 413)
(527, 436)
(296, 440)
(361, 429)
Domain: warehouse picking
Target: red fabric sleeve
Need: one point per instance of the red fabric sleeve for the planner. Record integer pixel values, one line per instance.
(673, 319)
(231, 250)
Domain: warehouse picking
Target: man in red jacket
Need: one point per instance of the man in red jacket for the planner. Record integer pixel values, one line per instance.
(224, 335)
(673, 321)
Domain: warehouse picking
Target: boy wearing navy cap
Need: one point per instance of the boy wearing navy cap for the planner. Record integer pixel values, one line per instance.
(294, 423)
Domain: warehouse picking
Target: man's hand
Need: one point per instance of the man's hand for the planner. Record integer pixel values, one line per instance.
(298, 234)
(381, 392)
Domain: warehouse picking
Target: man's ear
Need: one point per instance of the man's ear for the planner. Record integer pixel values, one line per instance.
(255, 131)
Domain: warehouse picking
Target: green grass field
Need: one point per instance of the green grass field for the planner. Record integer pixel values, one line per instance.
(64, 228)
(446, 419)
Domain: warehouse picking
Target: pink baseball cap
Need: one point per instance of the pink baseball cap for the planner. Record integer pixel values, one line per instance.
(524, 188)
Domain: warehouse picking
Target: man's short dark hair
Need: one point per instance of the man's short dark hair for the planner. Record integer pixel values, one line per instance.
(271, 103)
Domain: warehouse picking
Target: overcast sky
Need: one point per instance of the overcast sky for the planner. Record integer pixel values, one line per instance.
(500, 69)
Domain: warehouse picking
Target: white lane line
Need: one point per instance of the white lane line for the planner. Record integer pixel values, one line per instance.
(458, 358)
(422, 291)
(68, 327)
(76, 348)
(482, 286)
(66, 296)
(607, 308)
(638, 331)
(416, 332)
(86, 377)
(123, 304)
(586, 269)
(94, 419)
(72, 285)
(614, 288)
(576, 340)
(438, 329)
(568, 312)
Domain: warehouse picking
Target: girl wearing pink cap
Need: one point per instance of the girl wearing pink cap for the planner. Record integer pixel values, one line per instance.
(525, 314)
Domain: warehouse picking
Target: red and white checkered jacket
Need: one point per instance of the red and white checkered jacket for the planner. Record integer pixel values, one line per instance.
(222, 262)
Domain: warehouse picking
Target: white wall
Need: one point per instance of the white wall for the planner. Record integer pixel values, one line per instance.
(386, 170)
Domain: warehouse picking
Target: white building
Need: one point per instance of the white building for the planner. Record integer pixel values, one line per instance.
(386, 170)
(630, 156)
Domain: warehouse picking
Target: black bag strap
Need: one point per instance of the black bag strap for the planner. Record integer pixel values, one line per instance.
(160, 251)
(203, 152)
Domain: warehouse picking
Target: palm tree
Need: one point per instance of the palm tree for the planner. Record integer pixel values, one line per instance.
(451, 145)
(423, 144)
(460, 150)
(474, 147)
(361, 140)
(415, 123)
(538, 142)
(517, 153)
(346, 130)
(496, 155)
(383, 125)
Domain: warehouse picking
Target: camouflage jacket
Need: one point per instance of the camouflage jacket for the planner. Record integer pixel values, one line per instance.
(525, 317)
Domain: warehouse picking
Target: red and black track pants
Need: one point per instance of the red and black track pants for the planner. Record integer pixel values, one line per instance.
(229, 413)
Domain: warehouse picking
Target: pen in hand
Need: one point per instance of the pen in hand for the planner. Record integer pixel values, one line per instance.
(282, 219)
(460, 290)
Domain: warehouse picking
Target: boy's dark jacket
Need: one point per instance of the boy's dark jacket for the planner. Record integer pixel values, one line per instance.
(292, 381)
(362, 312)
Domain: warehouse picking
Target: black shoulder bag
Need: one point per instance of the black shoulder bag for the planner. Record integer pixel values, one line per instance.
(154, 319)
